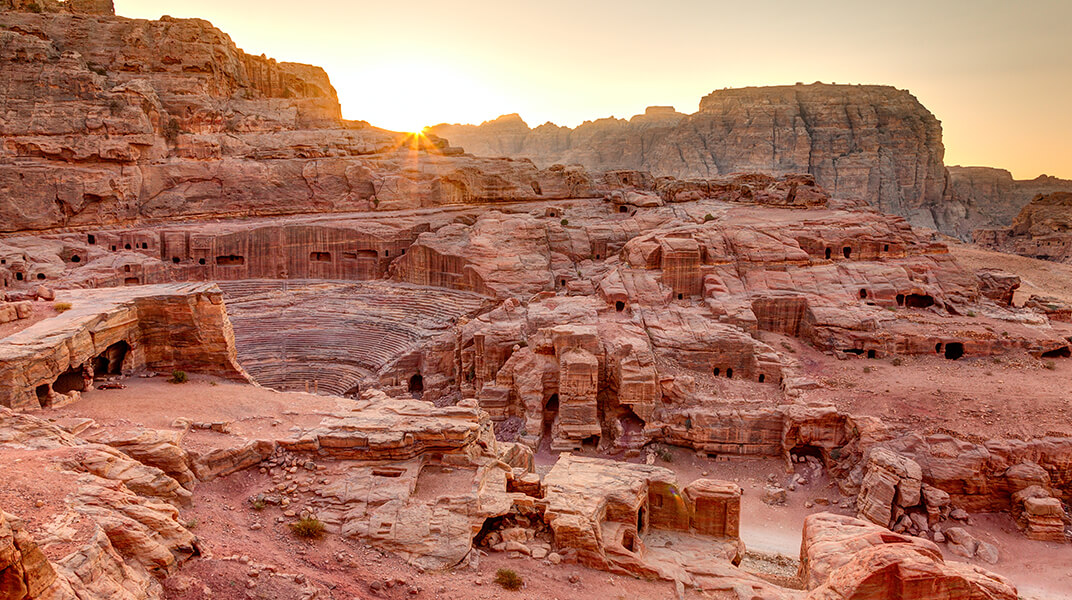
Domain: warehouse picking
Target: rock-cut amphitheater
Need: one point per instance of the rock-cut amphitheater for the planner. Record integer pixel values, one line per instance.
(231, 317)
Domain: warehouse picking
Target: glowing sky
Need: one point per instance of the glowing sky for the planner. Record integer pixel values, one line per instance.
(998, 74)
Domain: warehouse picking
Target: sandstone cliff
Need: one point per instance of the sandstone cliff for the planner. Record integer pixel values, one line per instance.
(871, 142)
(996, 196)
(1042, 229)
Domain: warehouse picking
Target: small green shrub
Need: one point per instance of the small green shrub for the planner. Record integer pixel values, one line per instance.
(708, 217)
(897, 361)
(508, 579)
(308, 528)
(565, 222)
(666, 455)
(259, 505)
(971, 313)
(179, 377)
(1050, 365)
(190, 524)
(61, 307)
(35, 8)
(867, 369)
(99, 70)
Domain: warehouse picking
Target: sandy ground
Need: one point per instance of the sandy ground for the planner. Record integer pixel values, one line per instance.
(978, 398)
(1038, 277)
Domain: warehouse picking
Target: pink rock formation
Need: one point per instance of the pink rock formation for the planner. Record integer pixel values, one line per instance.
(1043, 229)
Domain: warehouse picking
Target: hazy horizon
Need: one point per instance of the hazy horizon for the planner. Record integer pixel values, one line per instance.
(997, 75)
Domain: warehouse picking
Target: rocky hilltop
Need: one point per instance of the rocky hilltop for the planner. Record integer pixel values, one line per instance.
(996, 196)
(859, 141)
(1043, 229)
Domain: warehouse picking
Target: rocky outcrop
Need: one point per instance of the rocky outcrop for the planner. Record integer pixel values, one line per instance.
(870, 142)
(842, 558)
(163, 328)
(995, 196)
(1042, 229)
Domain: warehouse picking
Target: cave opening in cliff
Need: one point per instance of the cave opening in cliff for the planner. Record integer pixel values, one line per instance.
(717, 372)
(91, 239)
(127, 247)
(900, 299)
(863, 294)
(1062, 352)
(729, 373)
(200, 261)
(871, 353)
(115, 248)
(320, 257)
(629, 539)
(144, 246)
(42, 395)
(954, 350)
(70, 380)
(76, 259)
(938, 348)
(829, 253)
(807, 450)
(563, 283)
(40, 276)
(681, 296)
(886, 248)
(919, 301)
(131, 281)
(353, 392)
(416, 384)
(847, 252)
(230, 260)
(550, 412)
(18, 276)
(175, 260)
(590, 442)
(762, 377)
(110, 362)
(619, 306)
(623, 209)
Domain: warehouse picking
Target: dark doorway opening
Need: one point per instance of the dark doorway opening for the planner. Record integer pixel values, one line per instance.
(76, 259)
(871, 354)
(900, 299)
(918, 301)
(847, 252)
(619, 306)
(353, 392)
(623, 209)
(938, 348)
(641, 520)
(829, 253)
(717, 371)
(320, 256)
(807, 450)
(1063, 352)
(591, 442)
(416, 384)
(230, 260)
(681, 296)
(175, 260)
(91, 239)
(42, 395)
(18, 276)
(863, 294)
(131, 281)
(110, 362)
(729, 373)
(954, 350)
(762, 377)
(550, 412)
(71, 379)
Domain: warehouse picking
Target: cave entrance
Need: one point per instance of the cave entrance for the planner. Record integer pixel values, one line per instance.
(591, 442)
(110, 362)
(320, 257)
(641, 521)
(1063, 352)
(416, 384)
(900, 299)
(230, 260)
(954, 350)
(623, 209)
(619, 306)
(42, 395)
(353, 392)
(847, 252)
(729, 373)
(829, 253)
(918, 301)
(550, 413)
(863, 294)
(72, 379)
(871, 353)
(808, 450)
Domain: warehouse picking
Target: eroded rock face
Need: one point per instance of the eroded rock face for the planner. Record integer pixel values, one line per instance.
(996, 197)
(842, 557)
(1042, 229)
(871, 142)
